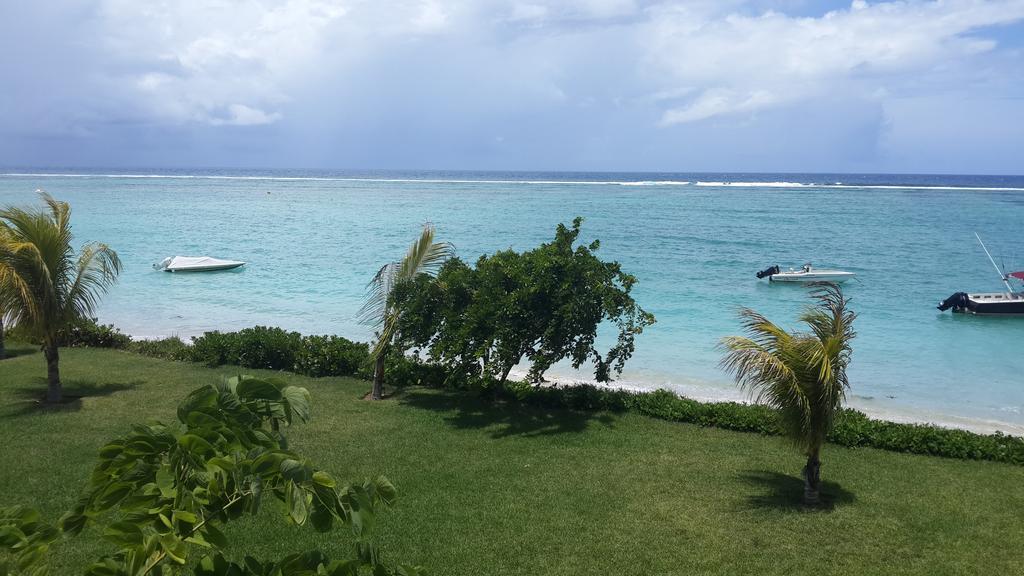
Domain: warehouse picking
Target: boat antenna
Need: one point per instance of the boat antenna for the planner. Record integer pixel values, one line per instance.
(998, 271)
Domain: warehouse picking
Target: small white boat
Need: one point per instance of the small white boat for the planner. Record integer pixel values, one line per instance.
(196, 264)
(806, 273)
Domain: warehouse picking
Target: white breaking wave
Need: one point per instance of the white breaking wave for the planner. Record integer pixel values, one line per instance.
(703, 184)
(758, 184)
(655, 183)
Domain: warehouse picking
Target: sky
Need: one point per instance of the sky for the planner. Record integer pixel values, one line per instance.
(570, 85)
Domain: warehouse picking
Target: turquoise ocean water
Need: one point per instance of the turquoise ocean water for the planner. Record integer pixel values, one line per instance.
(312, 240)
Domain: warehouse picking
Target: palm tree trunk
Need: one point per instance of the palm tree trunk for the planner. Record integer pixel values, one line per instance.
(53, 388)
(812, 480)
(378, 378)
(3, 348)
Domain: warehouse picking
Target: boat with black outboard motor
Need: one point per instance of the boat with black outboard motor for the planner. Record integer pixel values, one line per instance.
(1009, 303)
(806, 273)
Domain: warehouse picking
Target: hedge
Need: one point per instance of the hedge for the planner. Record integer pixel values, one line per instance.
(852, 428)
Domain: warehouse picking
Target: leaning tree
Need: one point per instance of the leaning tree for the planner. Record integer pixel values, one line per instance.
(539, 307)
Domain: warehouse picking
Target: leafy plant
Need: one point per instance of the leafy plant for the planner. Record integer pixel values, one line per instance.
(269, 348)
(24, 542)
(331, 356)
(544, 305)
(88, 332)
(162, 493)
(45, 286)
(277, 349)
(802, 375)
(382, 309)
(171, 348)
(215, 348)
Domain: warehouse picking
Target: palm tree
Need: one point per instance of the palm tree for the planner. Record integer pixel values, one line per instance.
(424, 257)
(11, 286)
(6, 276)
(47, 286)
(802, 374)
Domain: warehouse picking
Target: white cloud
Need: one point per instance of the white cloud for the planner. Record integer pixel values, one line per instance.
(242, 115)
(744, 63)
(213, 62)
(436, 75)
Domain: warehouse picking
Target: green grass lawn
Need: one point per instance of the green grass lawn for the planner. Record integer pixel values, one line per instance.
(512, 490)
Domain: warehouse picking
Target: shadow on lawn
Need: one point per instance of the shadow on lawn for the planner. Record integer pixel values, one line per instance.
(31, 399)
(508, 419)
(15, 351)
(784, 492)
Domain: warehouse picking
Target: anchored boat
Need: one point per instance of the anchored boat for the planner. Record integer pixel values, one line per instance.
(1007, 303)
(806, 273)
(196, 264)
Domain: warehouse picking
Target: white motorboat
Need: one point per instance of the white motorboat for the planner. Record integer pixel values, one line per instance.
(196, 264)
(806, 273)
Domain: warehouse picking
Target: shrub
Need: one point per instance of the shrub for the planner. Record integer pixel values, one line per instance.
(405, 370)
(88, 332)
(332, 356)
(277, 349)
(84, 332)
(258, 347)
(172, 348)
(270, 348)
(215, 348)
(852, 428)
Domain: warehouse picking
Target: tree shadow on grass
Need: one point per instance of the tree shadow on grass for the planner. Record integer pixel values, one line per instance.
(784, 492)
(506, 418)
(15, 351)
(32, 399)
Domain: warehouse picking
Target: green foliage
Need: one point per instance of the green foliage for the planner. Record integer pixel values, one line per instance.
(851, 428)
(854, 428)
(24, 542)
(382, 309)
(171, 348)
(270, 348)
(277, 349)
(422, 260)
(414, 371)
(319, 356)
(46, 286)
(257, 347)
(544, 305)
(215, 348)
(802, 375)
(162, 493)
(87, 332)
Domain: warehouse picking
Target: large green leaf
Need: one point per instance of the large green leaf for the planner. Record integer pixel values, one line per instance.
(124, 534)
(257, 389)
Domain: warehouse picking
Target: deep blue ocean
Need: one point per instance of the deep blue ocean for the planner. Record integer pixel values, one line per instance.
(312, 240)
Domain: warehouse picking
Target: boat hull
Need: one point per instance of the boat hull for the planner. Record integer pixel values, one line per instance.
(837, 277)
(996, 304)
(211, 268)
(196, 264)
(986, 303)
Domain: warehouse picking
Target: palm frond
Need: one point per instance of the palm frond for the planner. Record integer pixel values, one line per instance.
(423, 257)
(97, 270)
(803, 375)
(44, 283)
